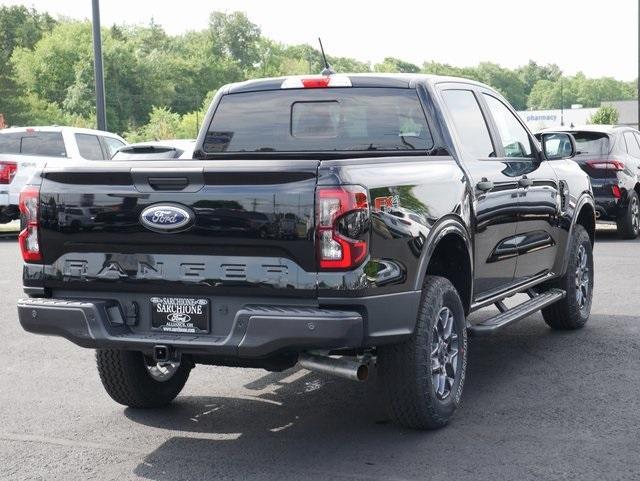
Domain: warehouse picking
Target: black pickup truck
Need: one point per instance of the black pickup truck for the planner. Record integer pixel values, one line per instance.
(342, 222)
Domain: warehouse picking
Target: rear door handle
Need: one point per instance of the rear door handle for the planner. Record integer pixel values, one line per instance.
(525, 182)
(484, 185)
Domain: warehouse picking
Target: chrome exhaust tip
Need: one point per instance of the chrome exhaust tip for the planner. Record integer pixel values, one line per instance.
(343, 367)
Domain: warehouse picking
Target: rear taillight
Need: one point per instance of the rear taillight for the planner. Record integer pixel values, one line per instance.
(606, 164)
(615, 190)
(28, 238)
(7, 171)
(342, 226)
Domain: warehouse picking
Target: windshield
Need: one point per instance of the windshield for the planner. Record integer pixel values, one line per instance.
(325, 120)
(594, 143)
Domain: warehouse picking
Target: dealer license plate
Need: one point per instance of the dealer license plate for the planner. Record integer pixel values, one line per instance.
(180, 314)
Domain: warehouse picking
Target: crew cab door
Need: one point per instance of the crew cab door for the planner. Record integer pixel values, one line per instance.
(495, 189)
(536, 241)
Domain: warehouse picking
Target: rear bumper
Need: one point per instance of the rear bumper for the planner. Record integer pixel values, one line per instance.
(608, 208)
(257, 330)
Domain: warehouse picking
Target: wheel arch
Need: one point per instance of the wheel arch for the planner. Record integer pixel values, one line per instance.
(637, 188)
(449, 254)
(584, 215)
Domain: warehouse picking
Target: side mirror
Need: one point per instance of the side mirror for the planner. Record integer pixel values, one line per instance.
(557, 145)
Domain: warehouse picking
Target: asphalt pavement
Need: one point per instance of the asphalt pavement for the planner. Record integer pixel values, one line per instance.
(537, 405)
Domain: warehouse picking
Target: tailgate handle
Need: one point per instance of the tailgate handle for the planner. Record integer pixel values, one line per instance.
(168, 183)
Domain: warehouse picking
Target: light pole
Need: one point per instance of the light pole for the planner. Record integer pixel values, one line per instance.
(638, 58)
(101, 114)
(562, 102)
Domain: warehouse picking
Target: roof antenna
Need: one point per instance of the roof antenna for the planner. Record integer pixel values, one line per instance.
(327, 70)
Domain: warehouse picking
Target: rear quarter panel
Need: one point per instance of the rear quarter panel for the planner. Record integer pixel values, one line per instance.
(408, 196)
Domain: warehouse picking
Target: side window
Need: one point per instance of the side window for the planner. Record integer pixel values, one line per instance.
(49, 144)
(469, 123)
(112, 145)
(89, 147)
(632, 144)
(514, 137)
(10, 143)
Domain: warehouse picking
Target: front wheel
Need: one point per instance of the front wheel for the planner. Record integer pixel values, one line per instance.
(132, 379)
(423, 376)
(629, 222)
(572, 312)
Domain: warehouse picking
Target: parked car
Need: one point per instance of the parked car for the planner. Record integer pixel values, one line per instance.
(170, 149)
(421, 199)
(25, 150)
(611, 157)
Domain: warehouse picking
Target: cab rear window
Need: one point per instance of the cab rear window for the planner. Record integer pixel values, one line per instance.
(319, 120)
(46, 144)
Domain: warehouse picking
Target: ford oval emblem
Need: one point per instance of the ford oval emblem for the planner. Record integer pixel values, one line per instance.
(166, 217)
(178, 317)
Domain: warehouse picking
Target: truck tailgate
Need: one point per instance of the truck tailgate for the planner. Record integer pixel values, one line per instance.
(250, 223)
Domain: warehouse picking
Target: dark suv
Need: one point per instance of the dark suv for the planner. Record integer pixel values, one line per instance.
(611, 157)
(342, 222)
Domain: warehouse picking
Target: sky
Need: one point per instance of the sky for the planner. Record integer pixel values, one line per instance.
(596, 37)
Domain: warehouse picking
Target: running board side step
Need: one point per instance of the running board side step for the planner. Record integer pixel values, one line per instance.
(517, 313)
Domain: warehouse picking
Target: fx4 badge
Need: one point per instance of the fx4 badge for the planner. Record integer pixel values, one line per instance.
(388, 202)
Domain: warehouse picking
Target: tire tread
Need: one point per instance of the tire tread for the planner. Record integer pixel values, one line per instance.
(125, 378)
(565, 314)
(403, 370)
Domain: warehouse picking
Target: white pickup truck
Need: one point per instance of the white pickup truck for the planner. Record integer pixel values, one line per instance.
(25, 150)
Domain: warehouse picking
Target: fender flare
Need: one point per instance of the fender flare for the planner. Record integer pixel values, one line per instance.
(585, 199)
(450, 224)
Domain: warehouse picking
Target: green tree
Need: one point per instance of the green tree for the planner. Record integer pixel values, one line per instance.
(156, 82)
(505, 81)
(163, 124)
(59, 70)
(236, 38)
(19, 28)
(605, 115)
(392, 64)
(532, 73)
(436, 68)
(548, 94)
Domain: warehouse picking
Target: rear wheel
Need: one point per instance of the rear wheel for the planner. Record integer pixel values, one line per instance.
(132, 379)
(423, 377)
(572, 312)
(629, 223)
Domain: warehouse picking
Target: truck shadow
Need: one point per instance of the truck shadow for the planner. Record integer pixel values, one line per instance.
(299, 424)
(608, 235)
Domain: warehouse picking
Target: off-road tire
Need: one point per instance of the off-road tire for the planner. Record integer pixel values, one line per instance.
(629, 222)
(126, 379)
(566, 314)
(405, 369)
